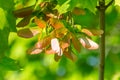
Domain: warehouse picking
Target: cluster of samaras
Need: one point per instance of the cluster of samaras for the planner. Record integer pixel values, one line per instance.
(57, 34)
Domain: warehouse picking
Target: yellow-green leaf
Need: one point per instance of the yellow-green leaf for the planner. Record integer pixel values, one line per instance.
(63, 8)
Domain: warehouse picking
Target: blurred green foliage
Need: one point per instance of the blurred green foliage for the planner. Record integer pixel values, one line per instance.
(21, 66)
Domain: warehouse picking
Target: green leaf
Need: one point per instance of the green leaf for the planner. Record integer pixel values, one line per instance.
(63, 8)
(89, 4)
(11, 21)
(4, 31)
(8, 63)
(117, 2)
(68, 26)
(72, 3)
(4, 40)
(60, 2)
(3, 19)
(7, 6)
(7, 23)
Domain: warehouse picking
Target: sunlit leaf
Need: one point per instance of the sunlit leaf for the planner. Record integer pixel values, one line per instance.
(23, 12)
(117, 2)
(27, 33)
(63, 8)
(92, 32)
(89, 44)
(78, 27)
(76, 43)
(51, 15)
(25, 21)
(41, 23)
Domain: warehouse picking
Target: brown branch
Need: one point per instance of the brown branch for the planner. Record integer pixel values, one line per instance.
(102, 40)
(98, 7)
(109, 4)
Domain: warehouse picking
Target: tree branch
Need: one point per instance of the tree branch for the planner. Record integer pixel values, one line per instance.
(102, 40)
(109, 4)
(98, 7)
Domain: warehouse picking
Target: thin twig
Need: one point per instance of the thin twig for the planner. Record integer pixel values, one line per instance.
(102, 9)
(102, 41)
(102, 45)
(109, 4)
